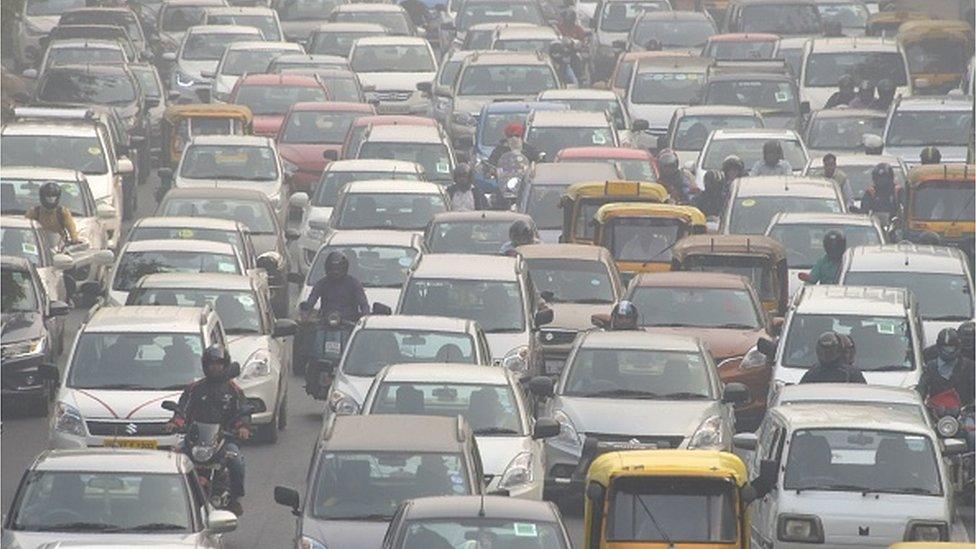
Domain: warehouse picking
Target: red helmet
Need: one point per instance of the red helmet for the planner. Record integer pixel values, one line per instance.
(514, 130)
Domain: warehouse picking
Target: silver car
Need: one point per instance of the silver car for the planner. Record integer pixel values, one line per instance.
(200, 52)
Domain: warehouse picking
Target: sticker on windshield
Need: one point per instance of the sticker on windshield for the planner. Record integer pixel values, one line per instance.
(186, 233)
(226, 268)
(456, 479)
(526, 530)
(246, 300)
(29, 248)
(599, 139)
(748, 203)
(94, 151)
(886, 328)
(443, 167)
(405, 261)
(595, 282)
(73, 190)
(782, 97)
(680, 77)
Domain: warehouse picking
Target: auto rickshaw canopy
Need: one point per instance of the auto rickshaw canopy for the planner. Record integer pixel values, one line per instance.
(176, 113)
(921, 29)
(691, 215)
(730, 245)
(941, 172)
(671, 462)
(634, 190)
(888, 22)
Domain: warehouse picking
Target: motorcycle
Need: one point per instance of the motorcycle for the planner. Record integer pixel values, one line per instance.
(510, 173)
(953, 420)
(568, 57)
(327, 339)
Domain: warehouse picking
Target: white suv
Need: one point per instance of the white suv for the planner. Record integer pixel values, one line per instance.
(393, 66)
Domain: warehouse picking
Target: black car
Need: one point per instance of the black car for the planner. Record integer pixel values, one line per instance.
(31, 335)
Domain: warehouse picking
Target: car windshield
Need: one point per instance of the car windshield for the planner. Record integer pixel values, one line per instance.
(245, 61)
(489, 409)
(728, 50)
(82, 55)
(784, 19)
(660, 509)
(327, 192)
(860, 460)
(766, 96)
(924, 128)
(103, 503)
(238, 310)
(696, 307)
(88, 87)
(394, 22)
(792, 56)
(148, 81)
(750, 151)
(135, 361)
(673, 34)
(642, 239)
(935, 55)
(306, 10)
(171, 233)
(397, 211)
(476, 13)
(256, 216)
(265, 24)
(476, 236)
(883, 343)
(506, 80)
(620, 16)
(751, 215)
(756, 269)
(210, 46)
(842, 134)
(944, 201)
(318, 126)
(19, 195)
(478, 39)
(542, 204)
(823, 70)
(336, 43)
(597, 105)
(551, 140)
(135, 265)
(496, 306)
(180, 18)
(434, 157)
(84, 154)
(524, 44)
(941, 297)
(367, 486)
(572, 280)
(370, 350)
(342, 88)
(636, 169)
(372, 266)
(647, 373)
(229, 162)
(443, 533)
(20, 243)
(276, 100)
(666, 88)
(804, 242)
(392, 58)
(692, 131)
(51, 7)
(848, 14)
(493, 126)
(17, 290)
(859, 177)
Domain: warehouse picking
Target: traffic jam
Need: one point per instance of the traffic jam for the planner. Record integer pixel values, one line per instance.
(487, 274)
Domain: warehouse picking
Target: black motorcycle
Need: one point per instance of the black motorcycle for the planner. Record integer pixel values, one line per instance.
(327, 341)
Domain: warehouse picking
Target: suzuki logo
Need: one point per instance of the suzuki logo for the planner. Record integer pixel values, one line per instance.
(863, 530)
(130, 429)
(634, 441)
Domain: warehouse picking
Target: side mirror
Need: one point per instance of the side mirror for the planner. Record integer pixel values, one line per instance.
(766, 480)
(330, 154)
(284, 327)
(58, 308)
(543, 317)
(953, 446)
(542, 386)
(125, 166)
(103, 257)
(424, 87)
(381, 309)
(63, 262)
(169, 56)
(29, 73)
(766, 347)
(104, 211)
(662, 142)
(735, 393)
(208, 74)
(292, 234)
(776, 325)
(805, 108)
(49, 372)
(545, 427)
(298, 200)
(221, 522)
(152, 102)
(170, 405)
(744, 441)
(600, 320)
(640, 125)
(295, 278)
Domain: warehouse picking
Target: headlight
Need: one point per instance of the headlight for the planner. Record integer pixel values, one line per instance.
(709, 436)
(568, 438)
(517, 360)
(316, 230)
(464, 119)
(443, 104)
(518, 472)
(257, 365)
(754, 359)
(184, 80)
(67, 420)
(289, 167)
(311, 543)
(202, 454)
(927, 531)
(343, 404)
(799, 528)
(947, 426)
(24, 348)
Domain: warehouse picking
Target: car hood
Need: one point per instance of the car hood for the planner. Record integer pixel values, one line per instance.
(264, 243)
(242, 346)
(575, 316)
(501, 343)
(361, 534)
(402, 81)
(307, 156)
(902, 378)
(194, 68)
(120, 404)
(52, 540)
(386, 296)
(497, 452)
(658, 116)
(910, 154)
(16, 327)
(296, 31)
(267, 124)
(722, 342)
(637, 417)
(224, 83)
(354, 386)
(269, 188)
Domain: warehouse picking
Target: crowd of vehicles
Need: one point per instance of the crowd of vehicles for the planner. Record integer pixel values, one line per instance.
(549, 258)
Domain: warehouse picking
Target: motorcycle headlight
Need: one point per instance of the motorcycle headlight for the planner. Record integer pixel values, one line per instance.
(927, 531)
(709, 436)
(518, 472)
(202, 454)
(512, 184)
(947, 426)
(184, 80)
(29, 347)
(257, 365)
(343, 404)
(517, 360)
(311, 543)
(67, 420)
(568, 438)
(799, 528)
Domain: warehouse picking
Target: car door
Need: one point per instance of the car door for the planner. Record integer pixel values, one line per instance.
(771, 442)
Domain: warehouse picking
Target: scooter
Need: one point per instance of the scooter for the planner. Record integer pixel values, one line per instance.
(328, 339)
(956, 421)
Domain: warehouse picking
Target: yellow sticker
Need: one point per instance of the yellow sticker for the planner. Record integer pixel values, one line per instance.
(94, 151)
(748, 203)
(186, 233)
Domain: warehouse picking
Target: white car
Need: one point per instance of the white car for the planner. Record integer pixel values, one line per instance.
(80, 51)
(612, 24)
(492, 402)
(232, 161)
(599, 101)
(392, 205)
(199, 52)
(552, 131)
(747, 144)
(428, 146)
(522, 38)
(265, 19)
(393, 66)
(660, 85)
(753, 201)
(825, 60)
(916, 122)
(853, 394)
(691, 126)
(243, 58)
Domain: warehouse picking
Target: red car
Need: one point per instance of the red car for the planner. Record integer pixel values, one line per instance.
(308, 132)
(355, 136)
(636, 164)
(269, 96)
(741, 46)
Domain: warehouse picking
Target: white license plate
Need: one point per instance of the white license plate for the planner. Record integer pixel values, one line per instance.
(333, 347)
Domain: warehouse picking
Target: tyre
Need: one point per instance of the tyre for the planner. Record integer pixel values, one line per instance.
(283, 414)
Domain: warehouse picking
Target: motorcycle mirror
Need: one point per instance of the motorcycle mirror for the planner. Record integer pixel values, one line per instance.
(170, 405)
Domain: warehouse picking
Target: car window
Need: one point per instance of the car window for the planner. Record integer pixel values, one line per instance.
(20, 195)
(672, 34)
(752, 214)
(317, 126)
(255, 215)
(666, 88)
(489, 409)
(19, 295)
(639, 373)
(506, 79)
(372, 266)
(21, 243)
(696, 307)
(370, 350)
(467, 237)
(883, 343)
(804, 242)
(135, 265)
(238, 310)
(135, 361)
(277, 100)
(497, 306)
(826, 69)
(572, 280)
(620, 16)
(406, 211)
(434, 157)
(392, 58)
(229, 162)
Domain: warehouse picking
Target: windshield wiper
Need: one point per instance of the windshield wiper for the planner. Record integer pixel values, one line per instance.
(496, 431)
(154, 527)
(685, 395)
(374, 516)
(632, 393)
(593, 301)
(946, 318)
(76, 526)
(666, 325)
(889, 368)
(238, 331)
(174, 387)
(735, 326)
(835, 487)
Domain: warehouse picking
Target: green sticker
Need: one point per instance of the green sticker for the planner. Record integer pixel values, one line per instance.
(782, 97)
(226, 268)
(886, 328)
(72, 190)
(29, 248)
(94, 151)
(748, 203)
(443, 167)
(599, 139)
(186, 233)
(526, 530)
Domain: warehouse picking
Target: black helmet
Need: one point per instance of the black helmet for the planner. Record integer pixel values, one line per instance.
(733, 162)
(520, 233)
(214, 354)
(948, 344)
(846, 81)
(624, 316)
(336, 265)
(834, 244)
(462, 172)
(967, 334)
(849, 349)
(50, 195)
(653, 45)
(886, 87)
(772, 148)
(667, 161)
(883, 175)
(930, 155)
(830, 349)
(712, 178)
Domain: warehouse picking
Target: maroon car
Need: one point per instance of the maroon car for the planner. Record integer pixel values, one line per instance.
(269, 96)
(308, 131)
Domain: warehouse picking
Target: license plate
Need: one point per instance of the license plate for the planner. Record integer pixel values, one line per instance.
(140, 443)
(333, 347)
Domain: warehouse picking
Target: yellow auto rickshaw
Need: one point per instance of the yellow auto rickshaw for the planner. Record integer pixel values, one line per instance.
(887, 23)
(939, 199)
(937, 51)
(647, 499)
(181, 122)
(761, 259)
(640, 235)
(581, 201)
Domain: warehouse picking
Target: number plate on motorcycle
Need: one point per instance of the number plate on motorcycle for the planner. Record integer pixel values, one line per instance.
(140, 443)
(333, 347)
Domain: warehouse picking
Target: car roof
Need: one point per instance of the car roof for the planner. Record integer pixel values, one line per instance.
(744, 37)
(396, 133)
(51, 128)
(719, 110)
(569, 119)
(821, 218)
(332, 106)
(851, 416)
(475, 216)
(935, 103)
(578, 93)
(390, 40)
(565, 251)
(691, 279)
(189, 222)
(374, 165)
(223, 29)
(33, 173)
(466, 267)
(673, 63)
(849, 113)
(906, 257)
(535, 31)
(372, 237)
(858, 160)
(296, 58)
(89, 69)
(754, 133)
(92, 43)
(110, 460)
(853, 43)
(215, 3)
(674, 15)
(391, 186)
(145, 319)
(566, 173)
(444, 372)
(216, 193)
(299, 80)
(234, 140)
(179, 245)
(196, 281)
(523, 106)
(240, 10)
(785, 185)
(394, 432)
(852, 300)
(753, 76)
(853, 392)
(264, 45)
(350, 26)
(368, 7)
(638, 339)
(426, 323)
(480, 507)
(608, 153)
(498, 57)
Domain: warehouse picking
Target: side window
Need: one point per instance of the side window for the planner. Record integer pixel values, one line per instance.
(779, 440)
(485, 349)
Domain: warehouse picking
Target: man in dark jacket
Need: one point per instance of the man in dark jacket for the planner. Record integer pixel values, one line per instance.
(338, 291)
(831, 364)
(713, 199)
(882, 197)
(844, 94)
(948, 369)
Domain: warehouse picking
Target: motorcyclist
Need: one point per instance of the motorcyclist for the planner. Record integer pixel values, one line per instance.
(967, 339)
(732, 169)
(217, 399)
(827, 269)
(772, 162)
(712, 200)
(865, 95)
(882, 196)
(52, 216)
(563, 58)
(464, 196)
(569, 26)
(513, 142)
(624, 316)
(830, 171)
(930, 155)
(679, 181)
(520, 233)
(948, 369)
(338, 291)
(886, 94)
(844, 94)
(832, 364)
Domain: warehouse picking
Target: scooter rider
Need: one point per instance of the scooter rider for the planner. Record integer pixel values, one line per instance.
(513, 142)
(464, 196)
(831, 364)
(967, 339)
(772, 162)
(519, 234)
(338, 291)
(217, 399)
(930, 155)
(52, 216)
(827, 269)
(882, 196)
(948, 369)
(624, 316)
(678, 181)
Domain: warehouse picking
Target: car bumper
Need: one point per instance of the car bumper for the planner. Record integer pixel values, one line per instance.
(262, 393)
(66, 441)
(414, 106)
(19, 376)
(560, 465)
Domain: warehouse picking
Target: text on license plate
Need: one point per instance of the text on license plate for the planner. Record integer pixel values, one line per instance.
(333, 346)
(141, 443)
